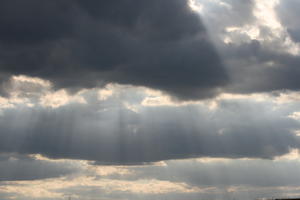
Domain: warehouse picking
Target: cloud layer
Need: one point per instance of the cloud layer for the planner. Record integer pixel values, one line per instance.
(121, 128)
(142, 99)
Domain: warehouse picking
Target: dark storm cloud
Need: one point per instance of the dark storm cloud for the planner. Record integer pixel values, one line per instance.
(15, 167)
(107, 132)
(77, 44)
(34, 21)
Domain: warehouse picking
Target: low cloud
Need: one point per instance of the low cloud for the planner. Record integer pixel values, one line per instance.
(17, 167)
(118, 129)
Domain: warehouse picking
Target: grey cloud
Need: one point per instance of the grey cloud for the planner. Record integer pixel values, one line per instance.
(15, 167)
(252, 179)
(80, 44)
(109, 133)
(288, 12)
(262, 65)
(295, 34)
(248, 173)
(7, 195)
(33, 21)
(90, 192)
(157, 44)
(215, 179)
(256, 67)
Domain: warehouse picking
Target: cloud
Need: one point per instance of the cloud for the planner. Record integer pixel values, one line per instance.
(78, 44)
(258, 50)
(223, 173)
(201, 178)
(90, 44)
(119, 129)
(288, 11)
(110, 83)
(220, 14)
(75, 79)
(14, 167)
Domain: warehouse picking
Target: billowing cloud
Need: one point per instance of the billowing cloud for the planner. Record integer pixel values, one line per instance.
(259, 48)
(79, 44)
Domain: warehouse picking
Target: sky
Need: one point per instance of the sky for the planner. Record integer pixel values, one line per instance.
(149, 100)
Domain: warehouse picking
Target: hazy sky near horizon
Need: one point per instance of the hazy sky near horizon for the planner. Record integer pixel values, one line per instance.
(139, 99)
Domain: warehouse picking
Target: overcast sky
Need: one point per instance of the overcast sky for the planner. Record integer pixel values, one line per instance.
(149, 99)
